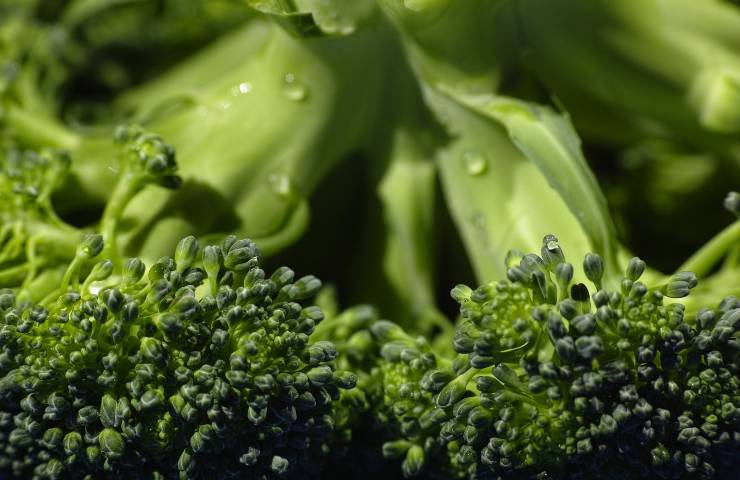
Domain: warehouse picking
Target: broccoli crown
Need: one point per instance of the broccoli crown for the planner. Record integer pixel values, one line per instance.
(202, 365)
(551, 380)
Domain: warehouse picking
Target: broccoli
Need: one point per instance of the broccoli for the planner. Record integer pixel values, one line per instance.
(234, 69)
(200, 365)
(551, 380)
(35, 244)
(394, 147)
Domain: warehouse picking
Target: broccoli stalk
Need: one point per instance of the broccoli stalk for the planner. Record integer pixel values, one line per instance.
(513, 168)
(229, 107)
(598, 67)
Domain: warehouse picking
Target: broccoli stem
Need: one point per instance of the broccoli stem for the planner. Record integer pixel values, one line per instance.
(59, 244)
(71, 275)
(15, 274)
(40, 129)
(124, 191)
(702, 262)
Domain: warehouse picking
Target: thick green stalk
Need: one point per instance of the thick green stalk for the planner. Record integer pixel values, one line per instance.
(660, 69)
(231, 108)
(515, 170)
(15, 274)
(38, 129)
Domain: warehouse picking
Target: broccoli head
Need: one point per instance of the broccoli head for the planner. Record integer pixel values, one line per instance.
(201, 365)
(552, 380)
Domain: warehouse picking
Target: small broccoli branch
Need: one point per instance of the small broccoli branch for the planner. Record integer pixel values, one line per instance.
(33, 239)
(725, 243)
(37, 129)
(706, 258)
(145, 159)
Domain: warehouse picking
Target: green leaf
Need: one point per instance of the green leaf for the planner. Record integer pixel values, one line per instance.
(548, 139)
(508, 204)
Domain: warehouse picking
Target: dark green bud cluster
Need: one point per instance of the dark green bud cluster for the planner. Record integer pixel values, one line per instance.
(403, 405)
(392, 368)
(201, 366)
(556, 380)
(148, 156)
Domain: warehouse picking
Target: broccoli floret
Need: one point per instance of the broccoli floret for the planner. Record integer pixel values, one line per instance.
(553, 380)
(199, 366)
(606, 384)
(35, 244)
(389, 401)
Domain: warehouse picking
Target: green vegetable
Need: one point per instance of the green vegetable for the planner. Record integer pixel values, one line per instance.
(35, 243)
(553, 380)
(198, 366)
(395, 148)
(205, 105)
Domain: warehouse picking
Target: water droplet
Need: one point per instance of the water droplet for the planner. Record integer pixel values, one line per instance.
(280, 183)
(241, 89)
(293, 89)
(550, 241)
(475, 163)
(226, 105)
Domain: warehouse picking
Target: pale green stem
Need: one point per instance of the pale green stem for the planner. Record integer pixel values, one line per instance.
(702, 262)
(32, 260)
(124, 191)
(40, 130)
(71, 276)
(15, 274)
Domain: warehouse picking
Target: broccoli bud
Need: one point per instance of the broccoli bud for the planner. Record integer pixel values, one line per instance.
(732, 203)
